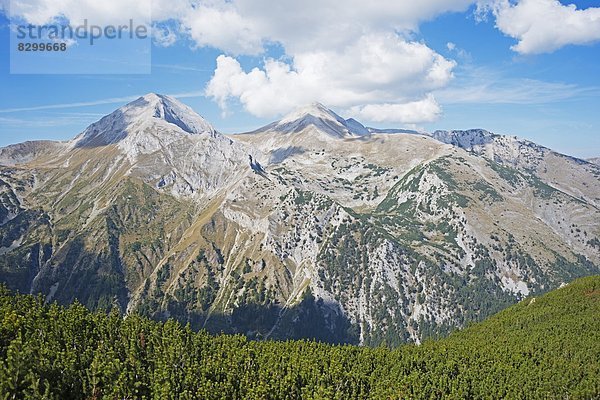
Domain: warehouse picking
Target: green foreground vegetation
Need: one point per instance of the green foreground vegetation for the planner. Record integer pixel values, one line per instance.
(543, 348)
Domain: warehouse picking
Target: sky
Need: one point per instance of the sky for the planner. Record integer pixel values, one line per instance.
(529, 68)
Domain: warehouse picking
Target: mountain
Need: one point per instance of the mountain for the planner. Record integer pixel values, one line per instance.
(308, 227)
(74, 214)
(543, 347)
(594, 160)
(132, 122)
(568, 174)
(318, 119)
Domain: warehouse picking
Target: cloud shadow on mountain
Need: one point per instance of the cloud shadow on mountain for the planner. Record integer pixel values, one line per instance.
(281, 154)
(309, 319)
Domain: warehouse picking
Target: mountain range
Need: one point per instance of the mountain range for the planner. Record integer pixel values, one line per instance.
(312, 226)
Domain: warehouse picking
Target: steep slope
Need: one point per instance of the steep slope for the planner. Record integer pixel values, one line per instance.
(416, 216)
(306, 227)
(595, 160)
(93, 218)
(568, 174)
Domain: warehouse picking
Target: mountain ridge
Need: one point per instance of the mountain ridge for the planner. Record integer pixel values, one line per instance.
(364, 238)
(162, 106)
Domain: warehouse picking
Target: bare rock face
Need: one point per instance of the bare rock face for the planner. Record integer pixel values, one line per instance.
(313, 226)
(150, 110)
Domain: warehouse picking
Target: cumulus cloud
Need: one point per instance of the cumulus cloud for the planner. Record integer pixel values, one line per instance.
(543, 26)
(378, 69)
(223, 27)
(341, 56)
(301, 26)
(41, 12)
(245, 26)
(346, 56)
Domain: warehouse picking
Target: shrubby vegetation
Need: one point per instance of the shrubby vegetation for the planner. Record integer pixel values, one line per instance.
(547, 347)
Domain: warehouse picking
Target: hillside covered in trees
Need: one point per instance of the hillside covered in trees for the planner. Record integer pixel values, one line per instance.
(545, 347)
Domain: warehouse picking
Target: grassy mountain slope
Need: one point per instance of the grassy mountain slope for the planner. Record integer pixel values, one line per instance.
(546, 347)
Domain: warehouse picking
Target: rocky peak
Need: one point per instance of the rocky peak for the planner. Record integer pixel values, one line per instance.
(466, 139)
(315, 110)
(320, 117)
(141, 113)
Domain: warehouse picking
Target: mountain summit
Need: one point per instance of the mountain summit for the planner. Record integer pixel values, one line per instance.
(319, 117)
(315, 110)
(142, 113)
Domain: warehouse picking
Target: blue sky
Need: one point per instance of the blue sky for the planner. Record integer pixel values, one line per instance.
(454, 64)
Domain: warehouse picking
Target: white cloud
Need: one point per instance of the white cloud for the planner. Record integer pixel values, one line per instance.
(245, 26)
(224, 28)
(414, 112)
(306, 25)
(543, 26)
(514, 91)
(351, 55)
(459, 53)
(112, 100)
(163, 35)
(358, 56)
(379, 69)
(114, 12)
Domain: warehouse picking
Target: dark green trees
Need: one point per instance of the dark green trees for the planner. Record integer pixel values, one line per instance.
(548, 347)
